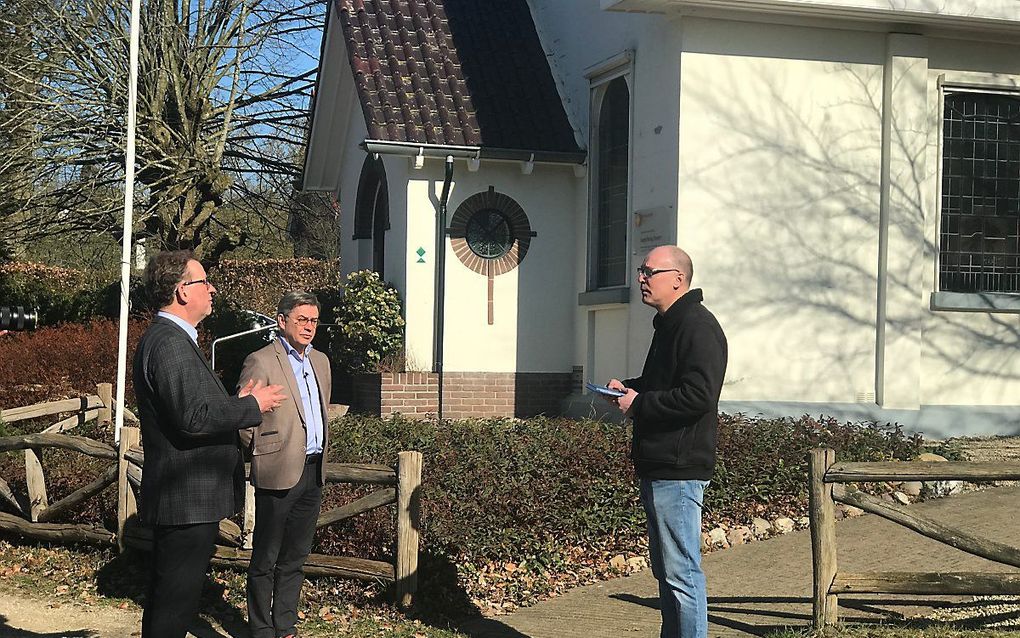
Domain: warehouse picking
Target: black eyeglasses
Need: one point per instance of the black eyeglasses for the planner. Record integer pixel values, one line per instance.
(647, 273)
(303, 321)
(197, 281)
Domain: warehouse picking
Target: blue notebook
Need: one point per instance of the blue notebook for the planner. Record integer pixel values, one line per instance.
(603, 390)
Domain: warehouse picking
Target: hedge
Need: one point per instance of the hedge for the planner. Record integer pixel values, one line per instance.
(520, 508)
(64, 295)
(59, 362)
(259, 284)
(59, 294)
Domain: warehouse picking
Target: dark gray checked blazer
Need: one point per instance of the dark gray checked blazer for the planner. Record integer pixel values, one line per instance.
(193, 470)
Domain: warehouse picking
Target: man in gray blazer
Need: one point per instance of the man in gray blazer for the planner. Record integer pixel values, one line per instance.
(288, 465)
(193, 474)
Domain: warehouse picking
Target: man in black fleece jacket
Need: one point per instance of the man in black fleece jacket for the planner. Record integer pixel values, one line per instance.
(674, 405)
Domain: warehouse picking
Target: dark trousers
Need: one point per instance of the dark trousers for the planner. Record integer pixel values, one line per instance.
(180, 558)
(284, 529)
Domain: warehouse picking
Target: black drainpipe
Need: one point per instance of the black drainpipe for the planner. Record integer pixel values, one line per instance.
(440, 302)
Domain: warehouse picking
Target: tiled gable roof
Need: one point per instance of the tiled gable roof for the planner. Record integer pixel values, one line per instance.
(454, 72)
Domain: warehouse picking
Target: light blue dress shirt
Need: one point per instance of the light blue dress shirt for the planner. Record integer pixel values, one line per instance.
(187, 327)
(310, 401)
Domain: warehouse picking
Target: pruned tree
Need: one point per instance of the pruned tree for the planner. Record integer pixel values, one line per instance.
(223, 92)
(16, 133)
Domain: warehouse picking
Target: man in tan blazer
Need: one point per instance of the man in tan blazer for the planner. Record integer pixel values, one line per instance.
(288, 465)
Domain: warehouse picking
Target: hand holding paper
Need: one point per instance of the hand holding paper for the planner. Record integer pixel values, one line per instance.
(604, 391)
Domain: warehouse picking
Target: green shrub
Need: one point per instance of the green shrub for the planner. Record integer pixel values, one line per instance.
(371, 327)
(762, 463)
(560, 497)
(60, 294)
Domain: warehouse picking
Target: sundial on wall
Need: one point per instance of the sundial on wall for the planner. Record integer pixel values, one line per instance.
(490, 234)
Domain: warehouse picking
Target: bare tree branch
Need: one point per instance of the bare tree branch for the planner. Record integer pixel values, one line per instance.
(222, 112)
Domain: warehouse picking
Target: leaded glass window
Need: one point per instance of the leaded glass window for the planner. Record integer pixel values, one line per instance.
(489, 234)
(612, 173)
(980, 215)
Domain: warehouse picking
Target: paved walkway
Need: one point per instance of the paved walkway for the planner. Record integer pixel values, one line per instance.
(756, 588)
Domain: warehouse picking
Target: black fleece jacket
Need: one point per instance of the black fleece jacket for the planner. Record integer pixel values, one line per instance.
(676, 411)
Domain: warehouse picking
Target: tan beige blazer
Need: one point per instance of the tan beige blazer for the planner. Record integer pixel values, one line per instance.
(277, 447)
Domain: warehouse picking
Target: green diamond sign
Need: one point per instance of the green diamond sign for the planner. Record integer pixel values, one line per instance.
(421, 255)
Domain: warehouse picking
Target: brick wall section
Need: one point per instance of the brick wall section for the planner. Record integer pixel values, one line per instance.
(542, 393)
(465, 394)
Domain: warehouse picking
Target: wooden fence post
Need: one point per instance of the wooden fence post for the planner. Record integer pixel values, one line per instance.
(105, 392)
(127, 508)
(823, 537)
(408, 525)
(248, 524)
(35, 482)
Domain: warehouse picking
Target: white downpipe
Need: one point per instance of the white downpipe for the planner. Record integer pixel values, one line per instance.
(129, 195)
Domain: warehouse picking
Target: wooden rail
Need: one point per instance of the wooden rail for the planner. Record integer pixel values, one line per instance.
(36, 518)
(400, 485)
(35, 511)
(86, 408)
(824, 478)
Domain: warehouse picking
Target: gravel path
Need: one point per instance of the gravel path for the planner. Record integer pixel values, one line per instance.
(999, 448)
(22, 617)
(25, 617)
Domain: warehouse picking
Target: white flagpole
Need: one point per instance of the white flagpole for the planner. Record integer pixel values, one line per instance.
(129, 195)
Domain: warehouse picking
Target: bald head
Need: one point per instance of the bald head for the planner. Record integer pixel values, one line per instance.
(665, 277)
(675, 257)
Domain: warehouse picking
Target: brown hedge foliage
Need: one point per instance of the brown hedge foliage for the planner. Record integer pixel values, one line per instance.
(68, 360)
(259, 284)
(53, 276)
(62, 361)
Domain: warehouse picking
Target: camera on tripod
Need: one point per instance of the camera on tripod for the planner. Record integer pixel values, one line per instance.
(18, 318)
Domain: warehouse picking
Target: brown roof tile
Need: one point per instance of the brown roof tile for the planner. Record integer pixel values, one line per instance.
(454, 72)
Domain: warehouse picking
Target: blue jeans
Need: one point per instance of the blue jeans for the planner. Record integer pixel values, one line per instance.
(674, 542)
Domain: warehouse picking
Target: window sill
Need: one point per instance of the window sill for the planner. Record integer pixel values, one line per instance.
(975, 302)
(604, 296)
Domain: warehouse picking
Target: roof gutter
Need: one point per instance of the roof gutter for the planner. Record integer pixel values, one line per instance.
(960, 14)
(440, 151)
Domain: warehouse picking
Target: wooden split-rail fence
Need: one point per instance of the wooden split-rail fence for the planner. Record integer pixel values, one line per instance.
(36, 518)
(826, 479)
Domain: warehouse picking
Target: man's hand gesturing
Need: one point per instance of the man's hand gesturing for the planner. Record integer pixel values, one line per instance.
(268, 396)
